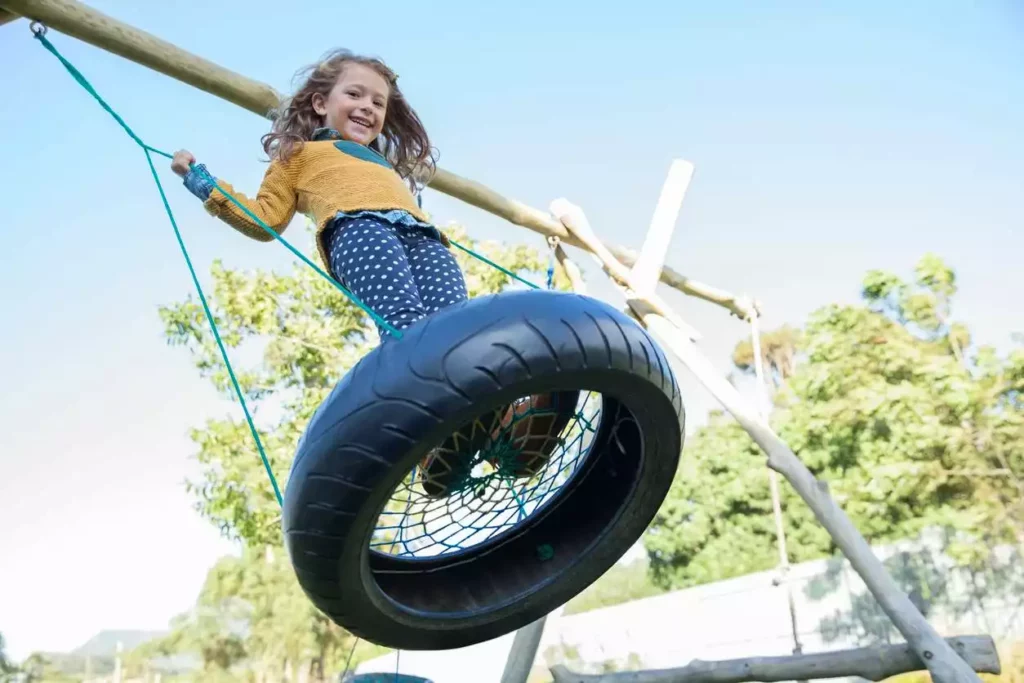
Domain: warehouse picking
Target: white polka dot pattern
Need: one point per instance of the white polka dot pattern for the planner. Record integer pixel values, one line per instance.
(399, 271)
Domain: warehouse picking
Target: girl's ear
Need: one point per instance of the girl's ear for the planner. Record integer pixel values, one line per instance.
(318, 104)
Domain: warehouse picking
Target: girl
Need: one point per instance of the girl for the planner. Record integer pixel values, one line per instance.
(343, 151)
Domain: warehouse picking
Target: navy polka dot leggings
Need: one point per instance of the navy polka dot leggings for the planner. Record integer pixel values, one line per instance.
(400, 272)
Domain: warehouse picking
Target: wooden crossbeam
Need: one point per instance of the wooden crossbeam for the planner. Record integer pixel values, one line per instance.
(100, 30)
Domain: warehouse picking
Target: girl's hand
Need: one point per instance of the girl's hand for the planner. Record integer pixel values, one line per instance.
(180, 162)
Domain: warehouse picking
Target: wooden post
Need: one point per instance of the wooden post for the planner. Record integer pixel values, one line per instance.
(943, 663)
(523, 652)
(569, 267)
(646, 272)
(95, 28)
(7, 17)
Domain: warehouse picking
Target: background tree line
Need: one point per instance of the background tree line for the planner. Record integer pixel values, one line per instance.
(890, 402)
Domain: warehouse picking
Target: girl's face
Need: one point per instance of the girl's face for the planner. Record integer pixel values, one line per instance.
(356, 105)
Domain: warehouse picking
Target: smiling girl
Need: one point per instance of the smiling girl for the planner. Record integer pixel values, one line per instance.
(343, 151)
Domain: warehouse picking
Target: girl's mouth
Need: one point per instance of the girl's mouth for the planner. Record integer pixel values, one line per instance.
(365, 123)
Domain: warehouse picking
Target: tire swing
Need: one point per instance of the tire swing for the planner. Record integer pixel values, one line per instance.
(509, 543)
(501, 549)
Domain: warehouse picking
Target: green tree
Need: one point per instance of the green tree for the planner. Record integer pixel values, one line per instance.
(251, 614)
(778, 355)
(7, 667)
(889, 402)
(40, 668)
(290, 338)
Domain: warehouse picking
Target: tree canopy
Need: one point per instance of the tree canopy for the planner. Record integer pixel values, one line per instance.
(888, 401)
(7, 667)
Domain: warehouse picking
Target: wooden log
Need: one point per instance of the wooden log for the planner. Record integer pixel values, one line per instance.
(7, 17)
(88, 25)
(944, 665)
(741, 307)
(646, 272)
(569, 267)
(518, 213)
(93, 27)
(872, 663)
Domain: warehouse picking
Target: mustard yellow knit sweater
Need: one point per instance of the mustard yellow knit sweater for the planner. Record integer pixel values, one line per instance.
(318, 180)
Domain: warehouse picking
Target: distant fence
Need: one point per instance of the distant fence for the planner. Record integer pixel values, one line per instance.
(749, 616)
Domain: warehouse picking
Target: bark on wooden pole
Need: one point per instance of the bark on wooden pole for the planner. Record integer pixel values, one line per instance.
(88, 25)
(100, 30)
(873, 663)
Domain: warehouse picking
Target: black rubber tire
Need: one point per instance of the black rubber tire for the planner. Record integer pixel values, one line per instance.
(408, 395)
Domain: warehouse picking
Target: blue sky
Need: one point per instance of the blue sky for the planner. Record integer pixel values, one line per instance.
(828, 138)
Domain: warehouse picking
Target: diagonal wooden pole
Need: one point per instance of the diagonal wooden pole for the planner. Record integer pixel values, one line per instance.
(942, 661)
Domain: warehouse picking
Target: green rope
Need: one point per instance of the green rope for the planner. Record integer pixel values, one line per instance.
(489, 262)
(39, 34)
(181, 243)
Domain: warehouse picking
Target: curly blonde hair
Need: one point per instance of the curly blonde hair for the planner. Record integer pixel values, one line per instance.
(403, 141)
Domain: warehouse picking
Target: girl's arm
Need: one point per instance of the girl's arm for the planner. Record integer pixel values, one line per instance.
(274, 204)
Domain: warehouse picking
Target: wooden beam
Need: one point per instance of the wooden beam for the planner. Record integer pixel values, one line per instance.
(7, 17)
(517, 213)
(873, 663)
(100, 30)
(646, 272)
(93, 27)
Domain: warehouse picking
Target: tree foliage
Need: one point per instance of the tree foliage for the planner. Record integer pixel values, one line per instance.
(251, 616)
(290, 338)
(7, 667)
(778, 354)
(888, 401)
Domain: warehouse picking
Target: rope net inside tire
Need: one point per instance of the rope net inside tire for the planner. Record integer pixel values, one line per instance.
(464, 496)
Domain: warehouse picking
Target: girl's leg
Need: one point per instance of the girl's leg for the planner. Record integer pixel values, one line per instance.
(538, 420)
(440, 283)
(376, 261)
(436, 272)
(368, 257)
